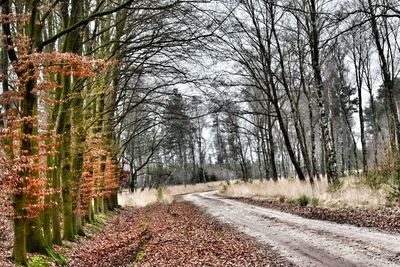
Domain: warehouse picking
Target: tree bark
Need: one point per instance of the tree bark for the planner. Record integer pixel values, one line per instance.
(330, 153)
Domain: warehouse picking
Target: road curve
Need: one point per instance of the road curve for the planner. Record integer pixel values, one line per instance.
(304, 242)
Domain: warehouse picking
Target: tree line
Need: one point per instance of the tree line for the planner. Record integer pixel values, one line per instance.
(319, 84)
(300, 88)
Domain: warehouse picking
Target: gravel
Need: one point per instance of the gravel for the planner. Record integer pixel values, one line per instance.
(305, 242)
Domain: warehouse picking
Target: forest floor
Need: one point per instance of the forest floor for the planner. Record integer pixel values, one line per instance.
(311, 242)
(5, 242)
(176, 234)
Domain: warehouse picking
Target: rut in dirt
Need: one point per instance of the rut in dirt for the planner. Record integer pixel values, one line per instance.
(305, 242)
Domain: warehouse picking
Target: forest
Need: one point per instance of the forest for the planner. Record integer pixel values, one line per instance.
(103, 96)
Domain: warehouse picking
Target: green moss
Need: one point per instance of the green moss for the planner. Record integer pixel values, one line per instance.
(143, 224)
(38, 261)
(58, 258)
(52, 256)
(140, 254)
(94, 228)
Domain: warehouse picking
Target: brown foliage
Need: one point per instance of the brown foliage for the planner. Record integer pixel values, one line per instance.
(178, 234)
(27, 169)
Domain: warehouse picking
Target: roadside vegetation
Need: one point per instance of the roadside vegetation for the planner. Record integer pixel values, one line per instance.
(166, 194)
(350, 191)
(355, 200)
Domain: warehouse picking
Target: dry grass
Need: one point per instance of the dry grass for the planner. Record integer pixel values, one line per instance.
(351, 193)
(139, 198)
(167, 194)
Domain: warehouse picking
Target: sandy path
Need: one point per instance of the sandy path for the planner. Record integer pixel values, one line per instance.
(305, 242)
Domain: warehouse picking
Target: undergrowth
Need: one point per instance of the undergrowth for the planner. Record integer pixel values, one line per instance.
(57, 257)
(354, 191)
(375, 179)
(302, 201)
(38, 261)
(335, 186)
(384, 179)
(42, 261)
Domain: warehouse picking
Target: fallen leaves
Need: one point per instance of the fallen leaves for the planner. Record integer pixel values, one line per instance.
(177, 234)
(5, 241)
(185, 236)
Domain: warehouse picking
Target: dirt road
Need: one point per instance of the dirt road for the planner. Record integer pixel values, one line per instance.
(303, 241)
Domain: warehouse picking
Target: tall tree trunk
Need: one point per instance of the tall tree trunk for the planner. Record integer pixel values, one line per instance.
(77, 161)
(54, 175)
(65, 152)
(294, 111)
(359, 80)
(330, 153)
(307, 93)
(264, 149)
(272, 156)
(286, 137)
(72, 44)
(376, 128)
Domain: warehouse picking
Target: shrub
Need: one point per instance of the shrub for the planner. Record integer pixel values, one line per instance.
(224, 187)
(394, 186)
(314, 202)
(375, 179)
(302, 201)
